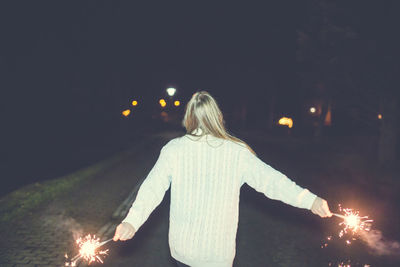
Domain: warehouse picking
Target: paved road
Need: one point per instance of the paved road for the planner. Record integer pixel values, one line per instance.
(270, 233)
(264, 239)
(42, 235)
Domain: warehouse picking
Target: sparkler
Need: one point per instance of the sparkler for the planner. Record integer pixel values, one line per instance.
(88, 250)
(353, 222)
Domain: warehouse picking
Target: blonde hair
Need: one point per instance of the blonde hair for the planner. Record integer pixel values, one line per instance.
(202, 112)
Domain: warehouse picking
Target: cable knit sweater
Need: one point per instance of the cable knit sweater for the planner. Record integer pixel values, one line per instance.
(205, 175)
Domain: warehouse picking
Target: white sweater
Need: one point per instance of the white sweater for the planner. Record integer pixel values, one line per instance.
(205, 176)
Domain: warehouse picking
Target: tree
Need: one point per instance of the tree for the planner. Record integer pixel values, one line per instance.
(346, 59)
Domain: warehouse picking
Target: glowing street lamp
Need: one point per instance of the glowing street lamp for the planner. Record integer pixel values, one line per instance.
(162, 103)
(380, 116)
(286, 121)
(171, 91)
(177, 103)
(313, 110)
(126, 112)
(134, 103)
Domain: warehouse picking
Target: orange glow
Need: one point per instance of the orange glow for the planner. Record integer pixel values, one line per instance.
(380, 116)
(162, 103)
(164, 116)
(126, 112)
(177, 102)
(134, 103)
(286, 121)
(328, 117)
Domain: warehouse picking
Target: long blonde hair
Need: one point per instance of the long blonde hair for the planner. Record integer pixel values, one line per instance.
(202, 112)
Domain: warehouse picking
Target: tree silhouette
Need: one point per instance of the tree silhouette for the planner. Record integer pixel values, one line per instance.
(344, 57)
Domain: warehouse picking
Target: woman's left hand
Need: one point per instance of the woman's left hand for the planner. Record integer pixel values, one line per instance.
(320, 207)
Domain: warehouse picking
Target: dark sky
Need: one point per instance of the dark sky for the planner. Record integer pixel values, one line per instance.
(68, 68)
(65, 55)
(130, 46)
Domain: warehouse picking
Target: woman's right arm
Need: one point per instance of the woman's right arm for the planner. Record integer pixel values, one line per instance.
(149, 196)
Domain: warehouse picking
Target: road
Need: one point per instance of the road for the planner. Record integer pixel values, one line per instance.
(271, 233)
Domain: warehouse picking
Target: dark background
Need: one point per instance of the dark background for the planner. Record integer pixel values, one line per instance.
(69, 68)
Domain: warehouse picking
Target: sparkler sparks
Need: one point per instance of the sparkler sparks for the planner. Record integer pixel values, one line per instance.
(88, 250)
(353, 222)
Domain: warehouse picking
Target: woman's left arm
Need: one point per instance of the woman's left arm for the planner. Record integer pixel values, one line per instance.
(273, 184)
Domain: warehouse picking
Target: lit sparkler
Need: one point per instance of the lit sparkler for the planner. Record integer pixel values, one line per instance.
(353, 222)
(88, 250)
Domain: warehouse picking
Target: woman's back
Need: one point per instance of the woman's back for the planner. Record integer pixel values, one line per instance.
(205, 186)
(205, 169)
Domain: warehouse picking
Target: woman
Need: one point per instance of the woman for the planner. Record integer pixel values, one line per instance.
(205, 169)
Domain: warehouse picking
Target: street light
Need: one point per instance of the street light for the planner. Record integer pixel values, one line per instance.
(313, 110)
(286, 121)
(162, 103)
(134, 103)
(177, 103)
(126, 112)
(171, 91)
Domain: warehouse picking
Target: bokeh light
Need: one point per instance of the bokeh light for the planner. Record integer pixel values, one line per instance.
(171, 91)
(162, 103)
(126, 112)
(286, 121)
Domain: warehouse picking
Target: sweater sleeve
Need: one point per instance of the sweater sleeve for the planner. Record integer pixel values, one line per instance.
(273, 184)
(152, 191)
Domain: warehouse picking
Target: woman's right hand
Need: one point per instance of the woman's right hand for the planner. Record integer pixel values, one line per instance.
(320, 207)
(124, 232)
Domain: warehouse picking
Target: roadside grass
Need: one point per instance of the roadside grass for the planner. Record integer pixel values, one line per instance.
(24, 200)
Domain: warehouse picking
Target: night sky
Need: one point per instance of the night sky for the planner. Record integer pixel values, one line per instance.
(55, 53)
(57, 50)
(69, 68)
